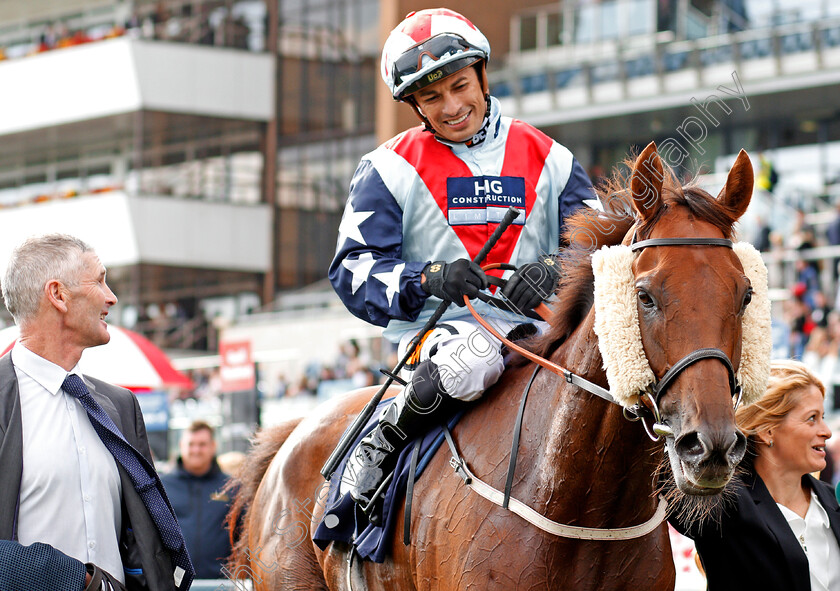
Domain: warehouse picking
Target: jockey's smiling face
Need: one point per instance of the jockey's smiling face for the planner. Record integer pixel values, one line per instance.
(455, 106)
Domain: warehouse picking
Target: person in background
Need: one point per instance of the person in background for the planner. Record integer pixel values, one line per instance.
(195, 491)
(761, 241)
(73, 449)
(782, 531)
(767, 176)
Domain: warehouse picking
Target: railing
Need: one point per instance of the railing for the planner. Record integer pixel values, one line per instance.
(534, 71)
(196, 333)
(235, 178)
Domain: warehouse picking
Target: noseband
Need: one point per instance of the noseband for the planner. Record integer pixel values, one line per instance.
(649, 400)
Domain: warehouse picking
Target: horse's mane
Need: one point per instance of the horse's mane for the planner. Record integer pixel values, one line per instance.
(243, 485)
(588, 230)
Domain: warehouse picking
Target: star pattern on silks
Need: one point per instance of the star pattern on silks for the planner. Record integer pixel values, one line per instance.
(349, 227)
(391, 281)
(360, 268)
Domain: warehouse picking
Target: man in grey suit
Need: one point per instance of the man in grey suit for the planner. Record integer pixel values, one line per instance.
(63, 482)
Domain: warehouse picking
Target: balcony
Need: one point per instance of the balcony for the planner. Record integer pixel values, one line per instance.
(124, 75)
(128, 230)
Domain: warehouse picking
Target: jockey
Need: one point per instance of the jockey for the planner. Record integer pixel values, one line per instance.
(420, 208)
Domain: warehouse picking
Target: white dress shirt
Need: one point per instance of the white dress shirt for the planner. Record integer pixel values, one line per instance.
(819, 543)
(70, 490)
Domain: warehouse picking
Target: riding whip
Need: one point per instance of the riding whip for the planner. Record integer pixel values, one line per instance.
(367, 412)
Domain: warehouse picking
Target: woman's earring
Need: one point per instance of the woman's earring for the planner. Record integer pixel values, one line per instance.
(770, 444)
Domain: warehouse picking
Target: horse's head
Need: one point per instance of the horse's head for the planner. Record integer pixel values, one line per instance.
(692, 297)
(680, 339)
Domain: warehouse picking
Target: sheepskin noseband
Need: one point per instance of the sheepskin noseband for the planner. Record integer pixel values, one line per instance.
(620, 339)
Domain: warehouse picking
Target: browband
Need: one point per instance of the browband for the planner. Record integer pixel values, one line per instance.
(680, 242)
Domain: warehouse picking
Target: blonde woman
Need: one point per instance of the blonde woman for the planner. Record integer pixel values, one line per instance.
(782, 531)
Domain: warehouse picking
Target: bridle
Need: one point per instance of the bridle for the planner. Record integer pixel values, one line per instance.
(652, 397)
(649, 399)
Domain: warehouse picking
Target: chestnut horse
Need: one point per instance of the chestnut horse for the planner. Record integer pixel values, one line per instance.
(581, 461)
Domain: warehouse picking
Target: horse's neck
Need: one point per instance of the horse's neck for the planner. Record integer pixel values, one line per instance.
(592, 457)
(580, 354)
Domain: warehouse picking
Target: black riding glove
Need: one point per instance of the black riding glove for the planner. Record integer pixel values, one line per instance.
(453, 281)
(531, 284)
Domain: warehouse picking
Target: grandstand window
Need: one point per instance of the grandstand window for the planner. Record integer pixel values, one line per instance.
(528, 32)
(676, 60)
(755, 48)
(606, 72)
(554, 29)
(636, 68)
(609, 22)
(640, 17)
(831, 37)
(797, 42)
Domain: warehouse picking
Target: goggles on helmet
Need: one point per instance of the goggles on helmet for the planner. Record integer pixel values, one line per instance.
(432, 60)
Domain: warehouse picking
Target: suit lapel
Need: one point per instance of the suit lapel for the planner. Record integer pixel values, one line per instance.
(106, 404)
(11, 447)
(769, 512)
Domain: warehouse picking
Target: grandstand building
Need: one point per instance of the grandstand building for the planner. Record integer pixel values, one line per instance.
(205, 147)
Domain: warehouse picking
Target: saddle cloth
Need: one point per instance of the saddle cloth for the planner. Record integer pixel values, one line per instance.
(342, 520)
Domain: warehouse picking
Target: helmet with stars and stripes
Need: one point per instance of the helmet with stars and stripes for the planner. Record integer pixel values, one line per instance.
(428, 46)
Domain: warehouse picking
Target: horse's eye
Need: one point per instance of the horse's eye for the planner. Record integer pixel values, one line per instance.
(747, 298)
(645, 299)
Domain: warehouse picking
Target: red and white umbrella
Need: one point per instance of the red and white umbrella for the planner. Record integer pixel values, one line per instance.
(129, 360)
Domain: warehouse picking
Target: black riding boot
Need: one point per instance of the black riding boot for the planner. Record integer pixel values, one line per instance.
(411, 413)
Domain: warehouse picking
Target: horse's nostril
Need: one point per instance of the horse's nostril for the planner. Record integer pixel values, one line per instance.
(697, 447)
(692, 446)
(735, 452)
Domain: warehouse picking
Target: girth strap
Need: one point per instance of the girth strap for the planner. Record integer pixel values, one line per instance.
(517, 433)
(409, 491)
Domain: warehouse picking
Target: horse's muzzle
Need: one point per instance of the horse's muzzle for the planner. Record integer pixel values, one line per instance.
(703, 464)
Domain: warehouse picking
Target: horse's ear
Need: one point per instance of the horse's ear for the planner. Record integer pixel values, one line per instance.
(646, 182)
(737, 192)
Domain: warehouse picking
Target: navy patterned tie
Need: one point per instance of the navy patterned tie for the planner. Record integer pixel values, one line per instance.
(143, 476)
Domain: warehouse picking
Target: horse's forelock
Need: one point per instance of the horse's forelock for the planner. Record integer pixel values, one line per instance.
(700, 203)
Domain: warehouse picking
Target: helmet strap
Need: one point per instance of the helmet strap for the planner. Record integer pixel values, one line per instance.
(481, 134)
(426, 125)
